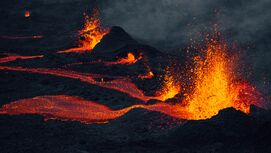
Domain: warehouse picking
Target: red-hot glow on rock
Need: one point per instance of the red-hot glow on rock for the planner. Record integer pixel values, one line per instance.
(90, 35)
(130, 59)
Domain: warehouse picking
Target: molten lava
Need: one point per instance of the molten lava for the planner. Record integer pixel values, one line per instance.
(90, 35)
(130, 59)
(124, 85)
(215, 87)
(27, 14)
(149, 75)
(169, 88)
(13, 57)
(63, 107)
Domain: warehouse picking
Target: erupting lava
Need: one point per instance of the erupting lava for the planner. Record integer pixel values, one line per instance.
(90, 35)
(169, 88)
(215, 87)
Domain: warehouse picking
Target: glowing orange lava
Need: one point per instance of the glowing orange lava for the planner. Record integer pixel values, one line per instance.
(169, 88)
(149, 75)
(27, 14)
(215, 87)
(130, 59)
(124, 85)
(63, 107)
(90, 35)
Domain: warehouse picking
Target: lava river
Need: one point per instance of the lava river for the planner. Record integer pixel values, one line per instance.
(215, 87)
(120, 84)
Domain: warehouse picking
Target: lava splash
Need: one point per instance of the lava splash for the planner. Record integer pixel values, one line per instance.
(215, 86)
(90, 35)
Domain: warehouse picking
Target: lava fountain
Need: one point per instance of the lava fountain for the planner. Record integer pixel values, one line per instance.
(90, 35)
(215, 86)
(169, 87)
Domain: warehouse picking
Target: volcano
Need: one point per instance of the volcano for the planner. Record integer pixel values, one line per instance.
(109, 92)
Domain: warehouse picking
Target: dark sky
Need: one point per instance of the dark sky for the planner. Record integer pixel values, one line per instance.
(176, 21)
(169, 24)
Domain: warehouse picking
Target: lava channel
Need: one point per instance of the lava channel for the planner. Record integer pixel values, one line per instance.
(11, 57)
(121, 84)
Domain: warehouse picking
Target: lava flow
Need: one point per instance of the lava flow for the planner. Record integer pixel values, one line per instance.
(120, 84)
(63, 107)
(215, 87)
(14, 57)
(130, 59)
(90, 35)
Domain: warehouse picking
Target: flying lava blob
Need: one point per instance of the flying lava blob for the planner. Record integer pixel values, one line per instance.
(90, 35)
